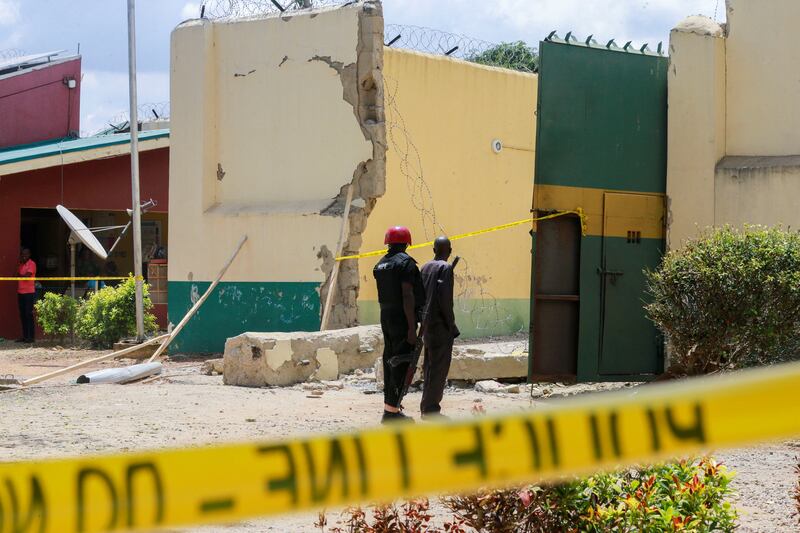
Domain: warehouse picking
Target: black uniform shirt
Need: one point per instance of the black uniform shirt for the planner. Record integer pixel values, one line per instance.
(394, 269)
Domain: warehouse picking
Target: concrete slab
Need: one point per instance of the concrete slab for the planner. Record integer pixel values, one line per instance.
(264, 359)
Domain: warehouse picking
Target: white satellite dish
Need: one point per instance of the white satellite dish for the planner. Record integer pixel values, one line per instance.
(81, 233)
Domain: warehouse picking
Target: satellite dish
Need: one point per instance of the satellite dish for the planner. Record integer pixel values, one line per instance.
(81, 232)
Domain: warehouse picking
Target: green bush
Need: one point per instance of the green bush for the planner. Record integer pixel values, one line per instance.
(729, 299)
(57, 313)
(110, 314)
(688, 495)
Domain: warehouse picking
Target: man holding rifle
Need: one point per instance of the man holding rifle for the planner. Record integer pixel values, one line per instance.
(401, 297)
(401, 294)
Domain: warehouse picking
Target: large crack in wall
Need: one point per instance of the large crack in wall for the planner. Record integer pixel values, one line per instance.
(362, 84)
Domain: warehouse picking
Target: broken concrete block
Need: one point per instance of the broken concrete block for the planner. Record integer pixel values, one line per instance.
(262, 359)
(492, 386)
(488, 386)
(472, 366)
(212, 367)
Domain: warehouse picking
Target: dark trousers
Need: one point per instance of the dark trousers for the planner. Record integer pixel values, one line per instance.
(395, 335)
(26, 314)
(435, 367)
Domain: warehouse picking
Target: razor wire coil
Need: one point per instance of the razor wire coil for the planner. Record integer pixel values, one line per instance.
(512, 55)
(147, 112)
(11, 53)
(233, 9)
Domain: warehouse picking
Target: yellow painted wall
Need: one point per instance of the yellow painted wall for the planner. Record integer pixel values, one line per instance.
(442, 116)
(262, 140)
(763, 59)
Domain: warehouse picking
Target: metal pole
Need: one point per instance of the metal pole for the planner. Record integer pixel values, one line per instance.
(137, 214)
(72, 267)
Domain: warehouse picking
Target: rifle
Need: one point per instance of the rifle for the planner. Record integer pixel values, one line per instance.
(412, 358)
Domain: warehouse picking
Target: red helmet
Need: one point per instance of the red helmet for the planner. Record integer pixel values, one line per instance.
(397, 235)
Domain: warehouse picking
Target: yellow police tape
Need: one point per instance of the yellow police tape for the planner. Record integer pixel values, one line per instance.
(73, 278)
(155, 489)
(577, 211)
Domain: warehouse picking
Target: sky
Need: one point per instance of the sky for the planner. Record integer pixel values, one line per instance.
(99, 27)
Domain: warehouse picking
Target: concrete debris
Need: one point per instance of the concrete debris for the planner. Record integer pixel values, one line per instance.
(323, 386)
(474, 364)
(289, 358)
(559, 390)
(491, 386)
(212, 367)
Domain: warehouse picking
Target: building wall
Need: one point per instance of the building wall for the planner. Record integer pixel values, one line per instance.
(269, 127)
(763, 88)
(36, 105)
(442, 116)
(97, 185)
(734, 110)
(696, 125)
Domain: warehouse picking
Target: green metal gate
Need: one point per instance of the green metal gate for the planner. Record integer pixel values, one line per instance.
(601, 146)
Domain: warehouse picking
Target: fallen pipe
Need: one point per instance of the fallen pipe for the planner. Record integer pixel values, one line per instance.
(88, 362)
(121, 375)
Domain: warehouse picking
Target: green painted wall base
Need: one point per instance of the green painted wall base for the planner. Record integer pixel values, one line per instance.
(236, 307)
(475, 318)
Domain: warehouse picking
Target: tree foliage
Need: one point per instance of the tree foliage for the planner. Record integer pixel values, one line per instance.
(515, 55)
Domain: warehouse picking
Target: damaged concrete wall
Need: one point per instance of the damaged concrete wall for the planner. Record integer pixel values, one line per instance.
(272, 119)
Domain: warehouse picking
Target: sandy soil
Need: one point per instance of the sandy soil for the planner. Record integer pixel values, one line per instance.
(60, 418)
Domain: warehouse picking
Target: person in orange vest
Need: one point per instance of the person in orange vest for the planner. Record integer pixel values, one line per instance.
(26, 292)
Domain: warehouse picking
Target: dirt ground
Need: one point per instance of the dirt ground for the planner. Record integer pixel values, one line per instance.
(60, 418)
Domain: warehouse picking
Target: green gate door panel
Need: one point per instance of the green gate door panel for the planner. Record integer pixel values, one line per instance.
(602, 118)
(630, 341)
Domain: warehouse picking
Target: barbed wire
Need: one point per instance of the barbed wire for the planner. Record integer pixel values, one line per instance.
(147, 112)
(223, 9)
(514, 55)
(472, 298)
(11, 53)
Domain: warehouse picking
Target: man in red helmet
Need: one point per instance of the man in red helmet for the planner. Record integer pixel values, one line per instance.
(401, 297)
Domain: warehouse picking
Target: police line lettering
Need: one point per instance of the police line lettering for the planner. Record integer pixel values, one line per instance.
(211, 484)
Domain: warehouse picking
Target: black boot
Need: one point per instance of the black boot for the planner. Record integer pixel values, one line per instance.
(391, 418)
